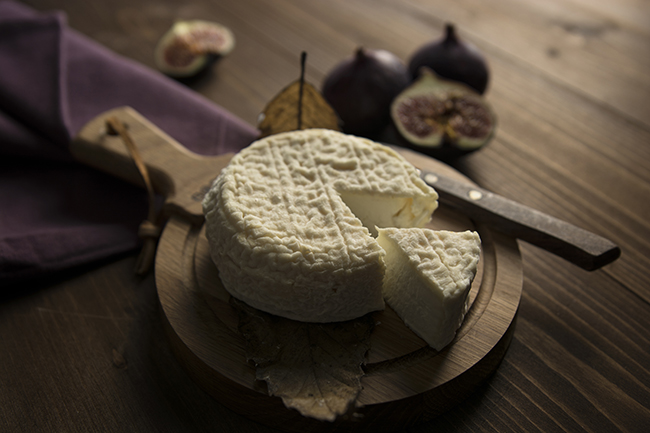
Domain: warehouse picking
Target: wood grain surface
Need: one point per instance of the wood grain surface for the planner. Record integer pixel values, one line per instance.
(87, 351)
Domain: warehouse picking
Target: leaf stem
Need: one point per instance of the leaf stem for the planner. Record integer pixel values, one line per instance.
(303, 60)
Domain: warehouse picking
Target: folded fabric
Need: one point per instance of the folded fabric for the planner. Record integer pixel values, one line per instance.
(56, 213)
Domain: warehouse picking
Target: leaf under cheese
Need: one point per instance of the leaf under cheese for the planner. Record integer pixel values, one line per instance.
(281, 114)
(314, 367)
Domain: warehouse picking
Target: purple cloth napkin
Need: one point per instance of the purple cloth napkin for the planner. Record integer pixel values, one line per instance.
(55, 213)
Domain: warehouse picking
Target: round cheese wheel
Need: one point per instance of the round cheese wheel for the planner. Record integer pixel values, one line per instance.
(291, 222)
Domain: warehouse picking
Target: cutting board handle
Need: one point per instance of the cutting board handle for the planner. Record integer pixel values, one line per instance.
(179, 175)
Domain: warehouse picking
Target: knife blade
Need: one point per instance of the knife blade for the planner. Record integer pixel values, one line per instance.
(580, 247)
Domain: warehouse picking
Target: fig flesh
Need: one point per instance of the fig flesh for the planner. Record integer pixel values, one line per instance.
(444, 117)
(453, 59)
(190, 46)
(362, 87)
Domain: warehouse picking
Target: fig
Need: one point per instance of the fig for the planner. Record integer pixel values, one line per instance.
(188, 47)
(444, 118)
(453, 59)
(361, 88)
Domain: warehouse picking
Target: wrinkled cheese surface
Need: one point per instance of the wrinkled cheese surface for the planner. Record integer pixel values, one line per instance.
(290, 221)
(428, 277)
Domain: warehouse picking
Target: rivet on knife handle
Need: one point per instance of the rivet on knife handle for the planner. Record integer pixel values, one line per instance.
(579, 246)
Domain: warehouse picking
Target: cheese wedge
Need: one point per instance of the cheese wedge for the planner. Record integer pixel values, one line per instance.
(290, 221)
(428, 278)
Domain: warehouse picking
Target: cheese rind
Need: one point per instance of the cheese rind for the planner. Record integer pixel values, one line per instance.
(428, 278)
(282, 232)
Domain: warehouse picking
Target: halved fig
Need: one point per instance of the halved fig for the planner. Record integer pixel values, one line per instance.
(445, 117)
(189, 46)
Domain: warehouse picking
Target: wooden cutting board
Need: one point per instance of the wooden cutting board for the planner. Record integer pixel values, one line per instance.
(406, 382)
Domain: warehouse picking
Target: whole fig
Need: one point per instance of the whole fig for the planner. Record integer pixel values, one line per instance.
(188, 47)
(453, 59)
(443, 118)
(361, 88)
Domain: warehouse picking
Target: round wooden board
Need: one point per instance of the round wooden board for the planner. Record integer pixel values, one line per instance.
(406, 382)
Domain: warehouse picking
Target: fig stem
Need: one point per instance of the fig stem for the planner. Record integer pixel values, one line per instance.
(450, 34)
(303, 61)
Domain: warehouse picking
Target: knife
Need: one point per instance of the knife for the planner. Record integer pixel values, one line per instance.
(580, 247)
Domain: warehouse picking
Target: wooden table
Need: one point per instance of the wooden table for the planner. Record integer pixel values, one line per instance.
(570, 85)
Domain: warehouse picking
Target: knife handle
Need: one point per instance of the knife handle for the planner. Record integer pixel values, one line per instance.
(578, 246)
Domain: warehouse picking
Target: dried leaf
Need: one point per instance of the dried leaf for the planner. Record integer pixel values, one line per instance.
(281, 114)
(315, 368)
